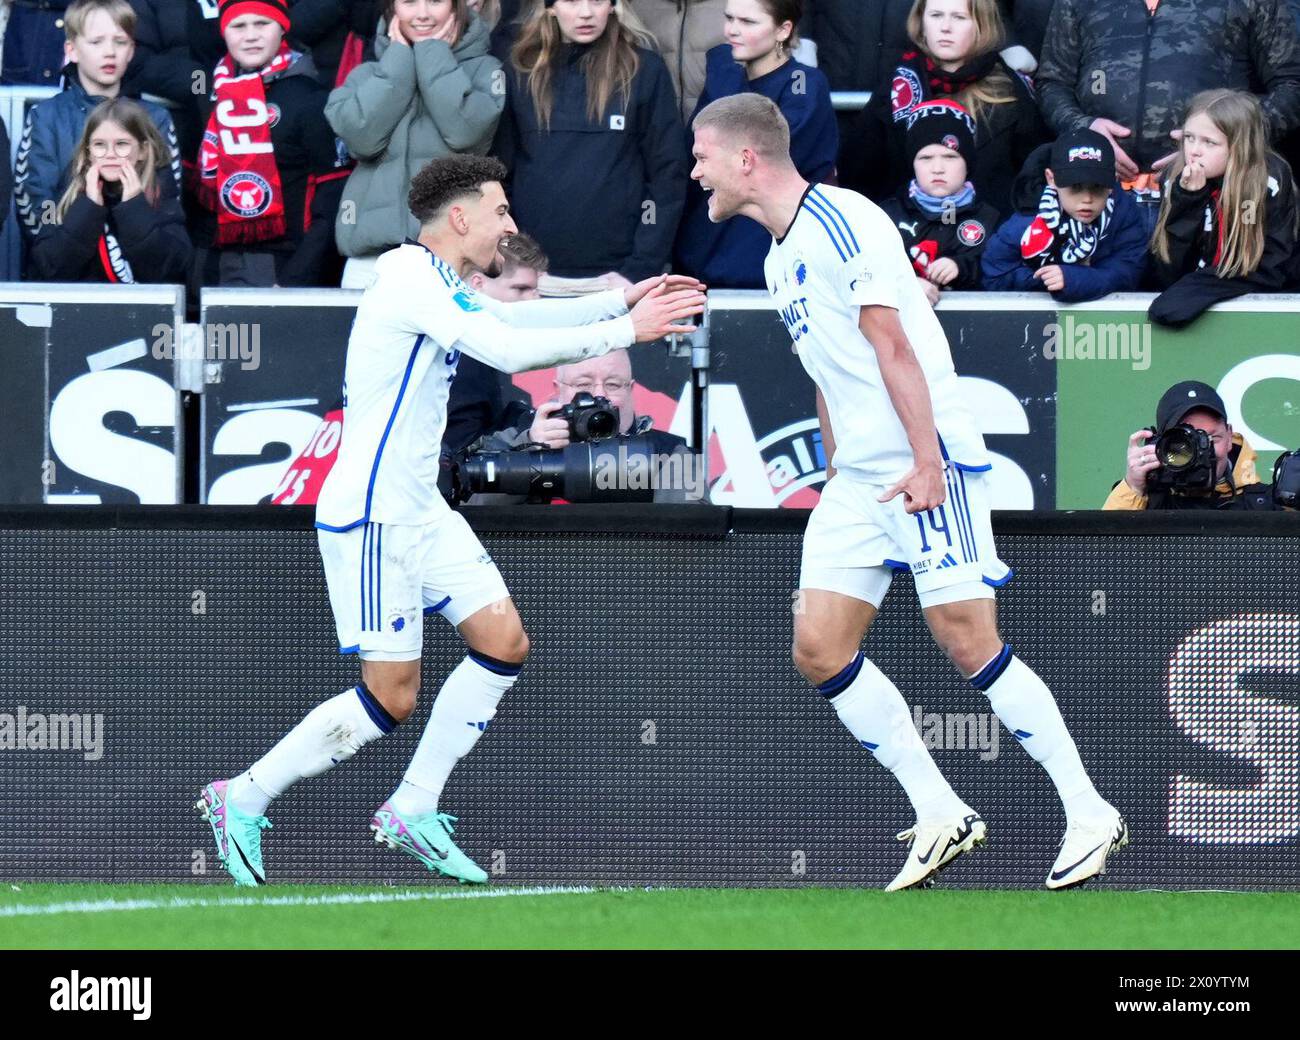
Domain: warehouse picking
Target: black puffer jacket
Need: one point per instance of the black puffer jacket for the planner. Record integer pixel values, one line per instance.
(1111, 59)
(1191, 277)
(130, 241)
(584, 189)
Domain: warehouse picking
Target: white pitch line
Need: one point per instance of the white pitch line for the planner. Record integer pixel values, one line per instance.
(341, 899)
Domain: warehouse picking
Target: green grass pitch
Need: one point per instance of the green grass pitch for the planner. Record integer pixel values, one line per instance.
(76, 916)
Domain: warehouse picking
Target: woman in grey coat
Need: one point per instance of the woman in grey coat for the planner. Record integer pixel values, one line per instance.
(433, 91)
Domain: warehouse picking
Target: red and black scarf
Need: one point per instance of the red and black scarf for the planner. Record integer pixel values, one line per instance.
(238, 176)
(918, 79)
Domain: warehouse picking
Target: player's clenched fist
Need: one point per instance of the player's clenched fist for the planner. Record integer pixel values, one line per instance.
(661, 306)
(1141, 461)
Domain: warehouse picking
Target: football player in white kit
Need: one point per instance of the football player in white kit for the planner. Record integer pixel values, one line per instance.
(906, 489)
(393, 550)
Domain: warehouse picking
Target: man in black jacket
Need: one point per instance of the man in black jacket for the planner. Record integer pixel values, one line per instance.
(1199, 406)
(1128, 73)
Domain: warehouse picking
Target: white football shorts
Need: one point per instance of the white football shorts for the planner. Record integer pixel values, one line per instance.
(383, 579)
(854, 544)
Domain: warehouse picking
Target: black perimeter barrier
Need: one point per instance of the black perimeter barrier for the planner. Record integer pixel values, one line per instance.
(659, 734)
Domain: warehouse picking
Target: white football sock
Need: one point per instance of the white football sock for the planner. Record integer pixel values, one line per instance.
(1027, 708)
(466, 704)
(877, 716)
(330, 733)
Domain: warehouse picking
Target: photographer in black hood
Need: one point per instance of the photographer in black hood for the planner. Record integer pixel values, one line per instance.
(1223, 476)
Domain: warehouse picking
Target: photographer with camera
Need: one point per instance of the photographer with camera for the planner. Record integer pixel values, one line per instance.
(586, 444)
(1190, 459)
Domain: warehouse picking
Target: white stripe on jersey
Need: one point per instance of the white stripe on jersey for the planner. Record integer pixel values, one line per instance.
(840, 254)
(410, 329)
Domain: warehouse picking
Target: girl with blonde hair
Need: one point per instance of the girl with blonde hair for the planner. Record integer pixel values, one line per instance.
(1228, 215)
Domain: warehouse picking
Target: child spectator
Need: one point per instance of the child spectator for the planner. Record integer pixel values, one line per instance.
(944, 224)
(434, 91)
(955, 58)
(1227, 222)
(270, 174)
(594, 143)
(756, 58)
(99, 45)
(115, 223)
(1085, 237)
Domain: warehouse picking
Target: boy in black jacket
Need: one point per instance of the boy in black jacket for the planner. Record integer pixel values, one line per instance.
(944, 225)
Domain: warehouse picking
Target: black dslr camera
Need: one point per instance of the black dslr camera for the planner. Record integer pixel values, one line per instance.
(590, 418)
(1286, 480)
(1187, 460)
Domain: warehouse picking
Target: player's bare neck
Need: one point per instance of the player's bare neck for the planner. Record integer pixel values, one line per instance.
(778, 203)
(447, 249)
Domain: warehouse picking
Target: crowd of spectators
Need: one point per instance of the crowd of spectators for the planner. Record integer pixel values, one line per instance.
(1075, 149)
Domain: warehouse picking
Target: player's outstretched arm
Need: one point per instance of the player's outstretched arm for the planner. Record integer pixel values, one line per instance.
(487, 338)
(583, 310)
(922, 487)
(559, 312)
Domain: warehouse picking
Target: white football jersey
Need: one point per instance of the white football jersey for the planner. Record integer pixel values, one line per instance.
(410, 329)
(840, 254)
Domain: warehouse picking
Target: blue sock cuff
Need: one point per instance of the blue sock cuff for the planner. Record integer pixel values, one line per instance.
(840, 682)
(378, 714)
(495, 666)
(992, 671)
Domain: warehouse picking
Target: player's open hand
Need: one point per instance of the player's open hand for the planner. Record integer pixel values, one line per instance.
(1141, 461)
(633, 294)
(547, 429)
(922, 488)
(655, 313)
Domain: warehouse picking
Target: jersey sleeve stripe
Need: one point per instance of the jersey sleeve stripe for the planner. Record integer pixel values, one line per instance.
(848, 228)
(828, 220)
(834, 241)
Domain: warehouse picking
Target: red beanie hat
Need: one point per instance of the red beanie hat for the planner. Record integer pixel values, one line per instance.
(276, 10)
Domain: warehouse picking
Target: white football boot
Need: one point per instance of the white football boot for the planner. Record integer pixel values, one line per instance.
(934, 846)
(1084, 850)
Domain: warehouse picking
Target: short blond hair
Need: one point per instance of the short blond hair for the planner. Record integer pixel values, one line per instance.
(79, 12)
(749, 119)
